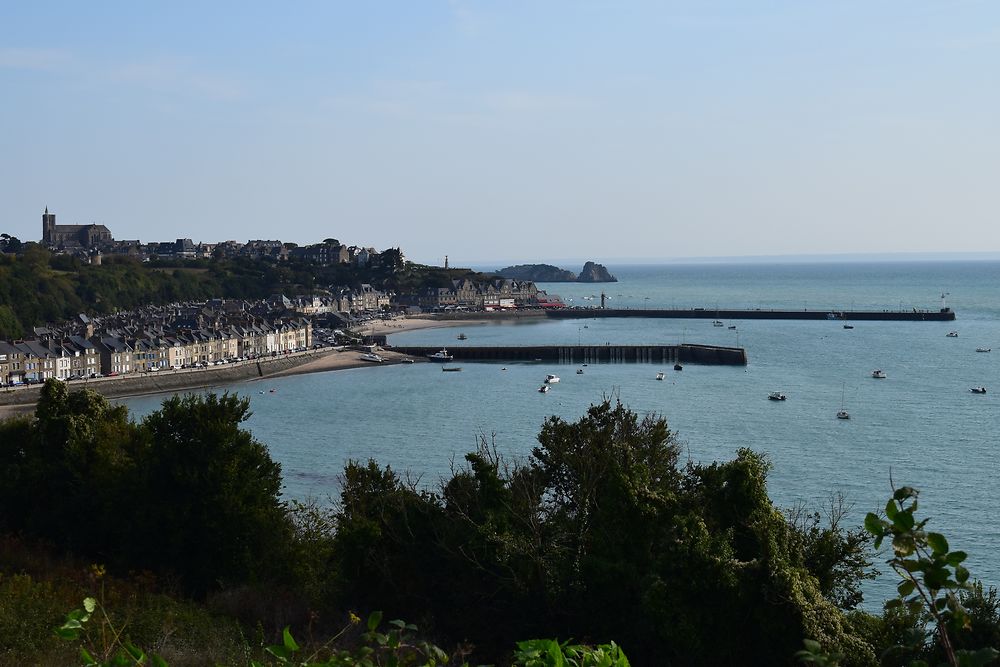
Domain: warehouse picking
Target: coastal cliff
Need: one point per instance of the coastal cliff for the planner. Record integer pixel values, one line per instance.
(547, 273)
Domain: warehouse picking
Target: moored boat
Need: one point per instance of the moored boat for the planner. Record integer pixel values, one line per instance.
(659, 376)
(843, 414)
(441, 355)
(977, 390)
(776, 396)
(678, 367)
(544, 389)
(878, 374)
(551, 379)
(952, 334)
(983, 349)
(371, 356)
(451, 369)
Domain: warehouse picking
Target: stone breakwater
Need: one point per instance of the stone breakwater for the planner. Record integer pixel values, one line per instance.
(166, 381)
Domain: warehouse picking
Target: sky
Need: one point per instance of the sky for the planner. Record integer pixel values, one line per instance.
(508, 129)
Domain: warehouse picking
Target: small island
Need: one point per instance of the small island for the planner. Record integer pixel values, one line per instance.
(547, 273)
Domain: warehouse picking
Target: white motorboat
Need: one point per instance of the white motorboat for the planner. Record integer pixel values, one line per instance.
(551, 379)
(406, 360)
(776, 396)
(978, 390)
(659, 376)
(441, 355)
(952, 334)
(878, 374)
(717, 323)
(371, 356)
(544, 389)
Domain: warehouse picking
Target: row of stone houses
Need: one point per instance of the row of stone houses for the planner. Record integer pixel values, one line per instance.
(143, 342)
(496, 294)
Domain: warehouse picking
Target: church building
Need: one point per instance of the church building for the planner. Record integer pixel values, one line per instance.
(64, 236)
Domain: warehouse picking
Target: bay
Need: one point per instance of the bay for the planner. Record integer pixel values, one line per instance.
(920, 426)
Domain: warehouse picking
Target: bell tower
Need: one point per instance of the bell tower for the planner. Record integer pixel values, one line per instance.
(48, 225)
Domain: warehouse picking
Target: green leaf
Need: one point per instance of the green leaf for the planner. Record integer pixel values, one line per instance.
(891, 509)
(903, 521)
(956, 557)
(874, 525)
(903, 544)
(90, 604)
(961, 574)
(279, 652)
(811, 645)
(905, 492)
(374, 620)
(135, 652)
(158, 661)
(288, 641)
(87, 659)
(905, 587)
(66, 633)
(937, 543)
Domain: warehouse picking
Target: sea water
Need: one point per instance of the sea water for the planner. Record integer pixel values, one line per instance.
(921, 426)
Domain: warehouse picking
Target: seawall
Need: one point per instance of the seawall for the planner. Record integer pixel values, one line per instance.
(914, 315)
(576, 354)
(169, 380)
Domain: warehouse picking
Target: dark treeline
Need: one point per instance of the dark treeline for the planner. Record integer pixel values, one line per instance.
(37, 287)
(602, 534)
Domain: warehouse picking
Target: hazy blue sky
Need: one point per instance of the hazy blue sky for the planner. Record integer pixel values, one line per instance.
(508, 129)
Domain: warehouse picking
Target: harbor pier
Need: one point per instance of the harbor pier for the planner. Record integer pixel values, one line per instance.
(591, 354)
(912, 315)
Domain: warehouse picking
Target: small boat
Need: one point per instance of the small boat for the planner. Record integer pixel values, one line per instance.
(371, 356)
(579, 371)
(952, 334)
(262, 392)
(462, 336)
(406, 360)
(544, 389)
(848, 326)
(732, 327)
(678, 367)
(551, 379)
(451, 369)
(271, 391)
(776, 396)
(504, 368)
(842, 413)
(659, 376)
(983, 349)
(441, 355)
(978, 390)
(878, 374)
(717, 323)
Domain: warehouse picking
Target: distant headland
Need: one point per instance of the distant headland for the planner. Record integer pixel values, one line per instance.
(546, 273)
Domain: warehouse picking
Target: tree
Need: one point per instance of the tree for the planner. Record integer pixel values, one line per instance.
(213, 507)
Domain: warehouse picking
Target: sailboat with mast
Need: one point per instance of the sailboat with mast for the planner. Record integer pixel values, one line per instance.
(842, 413)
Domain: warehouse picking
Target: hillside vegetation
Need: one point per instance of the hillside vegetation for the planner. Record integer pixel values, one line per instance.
(37, 287)
(603, 534)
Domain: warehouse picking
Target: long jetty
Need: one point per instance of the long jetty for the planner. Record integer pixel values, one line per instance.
(588, 354)
(913, 315)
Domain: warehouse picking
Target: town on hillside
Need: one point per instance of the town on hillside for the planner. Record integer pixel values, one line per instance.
(198, 334)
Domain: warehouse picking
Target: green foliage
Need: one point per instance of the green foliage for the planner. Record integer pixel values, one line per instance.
(550, 653)
(934, 582)
(187, 491)
(601, 533)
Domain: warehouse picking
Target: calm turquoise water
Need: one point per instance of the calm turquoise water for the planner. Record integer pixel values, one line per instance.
(921, 425)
